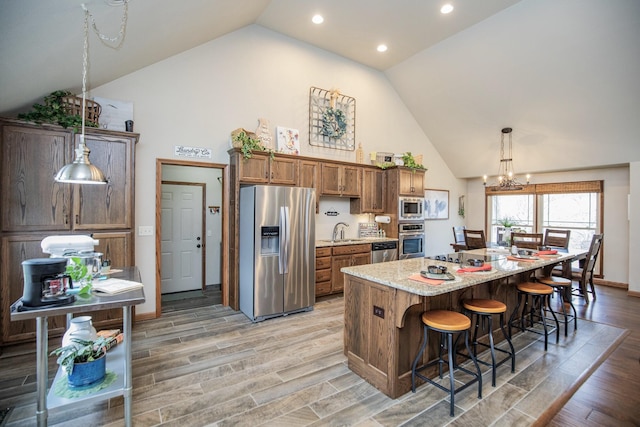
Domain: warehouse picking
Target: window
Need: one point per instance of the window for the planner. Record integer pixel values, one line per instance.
(576, 206)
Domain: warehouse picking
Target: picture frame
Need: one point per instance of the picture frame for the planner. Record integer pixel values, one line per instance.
(436, 204)
(288, 140)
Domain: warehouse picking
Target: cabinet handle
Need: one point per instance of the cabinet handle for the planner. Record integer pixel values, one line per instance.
(77, 219)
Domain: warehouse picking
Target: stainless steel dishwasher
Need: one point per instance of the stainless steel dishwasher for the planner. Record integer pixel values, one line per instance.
(384, 251)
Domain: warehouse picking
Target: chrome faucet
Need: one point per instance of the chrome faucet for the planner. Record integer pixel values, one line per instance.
(335, 231)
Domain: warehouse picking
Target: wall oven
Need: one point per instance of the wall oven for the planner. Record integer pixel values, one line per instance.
(410, 208)
(411, 240)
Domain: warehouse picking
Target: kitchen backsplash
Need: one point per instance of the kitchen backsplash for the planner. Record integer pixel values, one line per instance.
(333, 210)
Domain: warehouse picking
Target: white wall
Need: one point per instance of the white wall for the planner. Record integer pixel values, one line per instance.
(198, 97)
(634, 228)
(616, 229)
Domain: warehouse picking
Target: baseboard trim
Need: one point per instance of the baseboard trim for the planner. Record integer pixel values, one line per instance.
(610, 283)
(145, 316)
(635, 294)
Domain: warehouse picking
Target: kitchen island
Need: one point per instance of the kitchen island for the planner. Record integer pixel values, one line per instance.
(383, 308)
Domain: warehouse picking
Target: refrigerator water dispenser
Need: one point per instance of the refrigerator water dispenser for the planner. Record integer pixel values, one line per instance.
(270, 240)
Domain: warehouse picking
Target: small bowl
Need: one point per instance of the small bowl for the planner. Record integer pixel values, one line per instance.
(436, 269)
(474, 262)
(525, 252)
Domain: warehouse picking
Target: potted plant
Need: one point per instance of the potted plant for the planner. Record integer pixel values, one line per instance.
(410, 162)
(247, 142)
(80, 275)
(84, 361)
(53, 111)
(507, 223)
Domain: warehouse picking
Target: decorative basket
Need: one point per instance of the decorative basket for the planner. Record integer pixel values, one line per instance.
(383, 158)
(72, 105)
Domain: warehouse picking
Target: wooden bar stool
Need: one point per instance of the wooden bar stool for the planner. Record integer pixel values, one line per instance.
(447, 323)
(483, 310)
(539, 294)
(562, 286)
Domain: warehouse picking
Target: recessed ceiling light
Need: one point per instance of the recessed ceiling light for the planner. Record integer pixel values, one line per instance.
(447, 8)
(382, 48)
(317, 19)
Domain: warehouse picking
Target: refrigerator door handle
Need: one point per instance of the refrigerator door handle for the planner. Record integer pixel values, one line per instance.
(283, 259)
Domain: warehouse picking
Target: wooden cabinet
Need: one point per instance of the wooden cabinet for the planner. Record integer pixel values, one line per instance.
(323, 271)
(347, 256)
(309, 177)
(372, 199)
(340, 180)
(34, 206)
(410, 182)
(260, 168)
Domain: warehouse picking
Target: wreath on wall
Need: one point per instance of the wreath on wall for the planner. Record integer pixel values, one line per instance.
(331, 119)
(334, 123)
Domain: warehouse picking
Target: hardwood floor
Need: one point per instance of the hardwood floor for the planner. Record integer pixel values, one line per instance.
(211, 366)
(611, 396)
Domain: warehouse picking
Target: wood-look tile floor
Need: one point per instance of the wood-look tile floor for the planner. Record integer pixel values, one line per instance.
(212, 366)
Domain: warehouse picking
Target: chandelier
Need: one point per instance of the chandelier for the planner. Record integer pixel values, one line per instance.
(506, 176)
(81, 171)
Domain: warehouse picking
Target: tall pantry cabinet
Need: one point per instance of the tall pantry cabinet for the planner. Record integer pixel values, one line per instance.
(34, 206)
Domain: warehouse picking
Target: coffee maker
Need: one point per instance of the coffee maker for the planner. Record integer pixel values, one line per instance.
(45, 283)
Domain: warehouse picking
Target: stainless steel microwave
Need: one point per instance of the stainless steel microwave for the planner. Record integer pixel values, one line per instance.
(410, 208)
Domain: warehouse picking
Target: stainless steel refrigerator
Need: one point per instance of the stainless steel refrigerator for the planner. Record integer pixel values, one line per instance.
(277, 251)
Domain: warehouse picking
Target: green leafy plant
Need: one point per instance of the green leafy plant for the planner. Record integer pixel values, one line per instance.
(507, 222)
(248, 144)
(410, 162)
(53, 112)
(79, 272)
(81, 352)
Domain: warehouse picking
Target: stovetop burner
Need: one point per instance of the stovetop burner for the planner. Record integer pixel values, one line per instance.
(462, 257)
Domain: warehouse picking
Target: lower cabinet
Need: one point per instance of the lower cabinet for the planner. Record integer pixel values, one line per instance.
(117, 246)
(323, 271)
(329, 261)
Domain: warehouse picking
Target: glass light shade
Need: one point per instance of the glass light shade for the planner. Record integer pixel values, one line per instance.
(81, 171)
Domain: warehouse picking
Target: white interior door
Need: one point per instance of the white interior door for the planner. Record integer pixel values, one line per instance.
(181, 238)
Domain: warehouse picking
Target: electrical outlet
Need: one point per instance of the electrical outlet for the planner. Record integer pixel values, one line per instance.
(145, 230)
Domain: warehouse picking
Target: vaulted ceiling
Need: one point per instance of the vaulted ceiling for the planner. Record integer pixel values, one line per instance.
(562, 73)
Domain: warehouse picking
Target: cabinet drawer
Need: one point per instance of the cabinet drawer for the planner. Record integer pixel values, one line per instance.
(320, 252)
(351, 249)
(323, 288)
(323, 275)
(322, 263)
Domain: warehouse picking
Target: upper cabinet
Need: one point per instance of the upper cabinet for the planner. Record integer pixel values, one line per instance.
(340, 180)
(33, 201)
(31, 157)
(260, 168)
(410, 182)
(373, 192)
(107, 206)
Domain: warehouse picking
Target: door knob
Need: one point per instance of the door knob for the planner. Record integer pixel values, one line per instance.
(198, 246)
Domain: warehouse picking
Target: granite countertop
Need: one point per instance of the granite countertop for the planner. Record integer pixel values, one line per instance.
(354, 241)
(396, 273)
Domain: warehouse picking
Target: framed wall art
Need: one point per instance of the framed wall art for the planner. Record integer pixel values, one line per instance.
(332, 119)
(288, 140)
(436, 204)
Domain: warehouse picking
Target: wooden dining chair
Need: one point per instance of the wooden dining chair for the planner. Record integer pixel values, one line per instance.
(458, 238)
(527, 240)
(474, 239)
(584, 274)
(557, 238)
